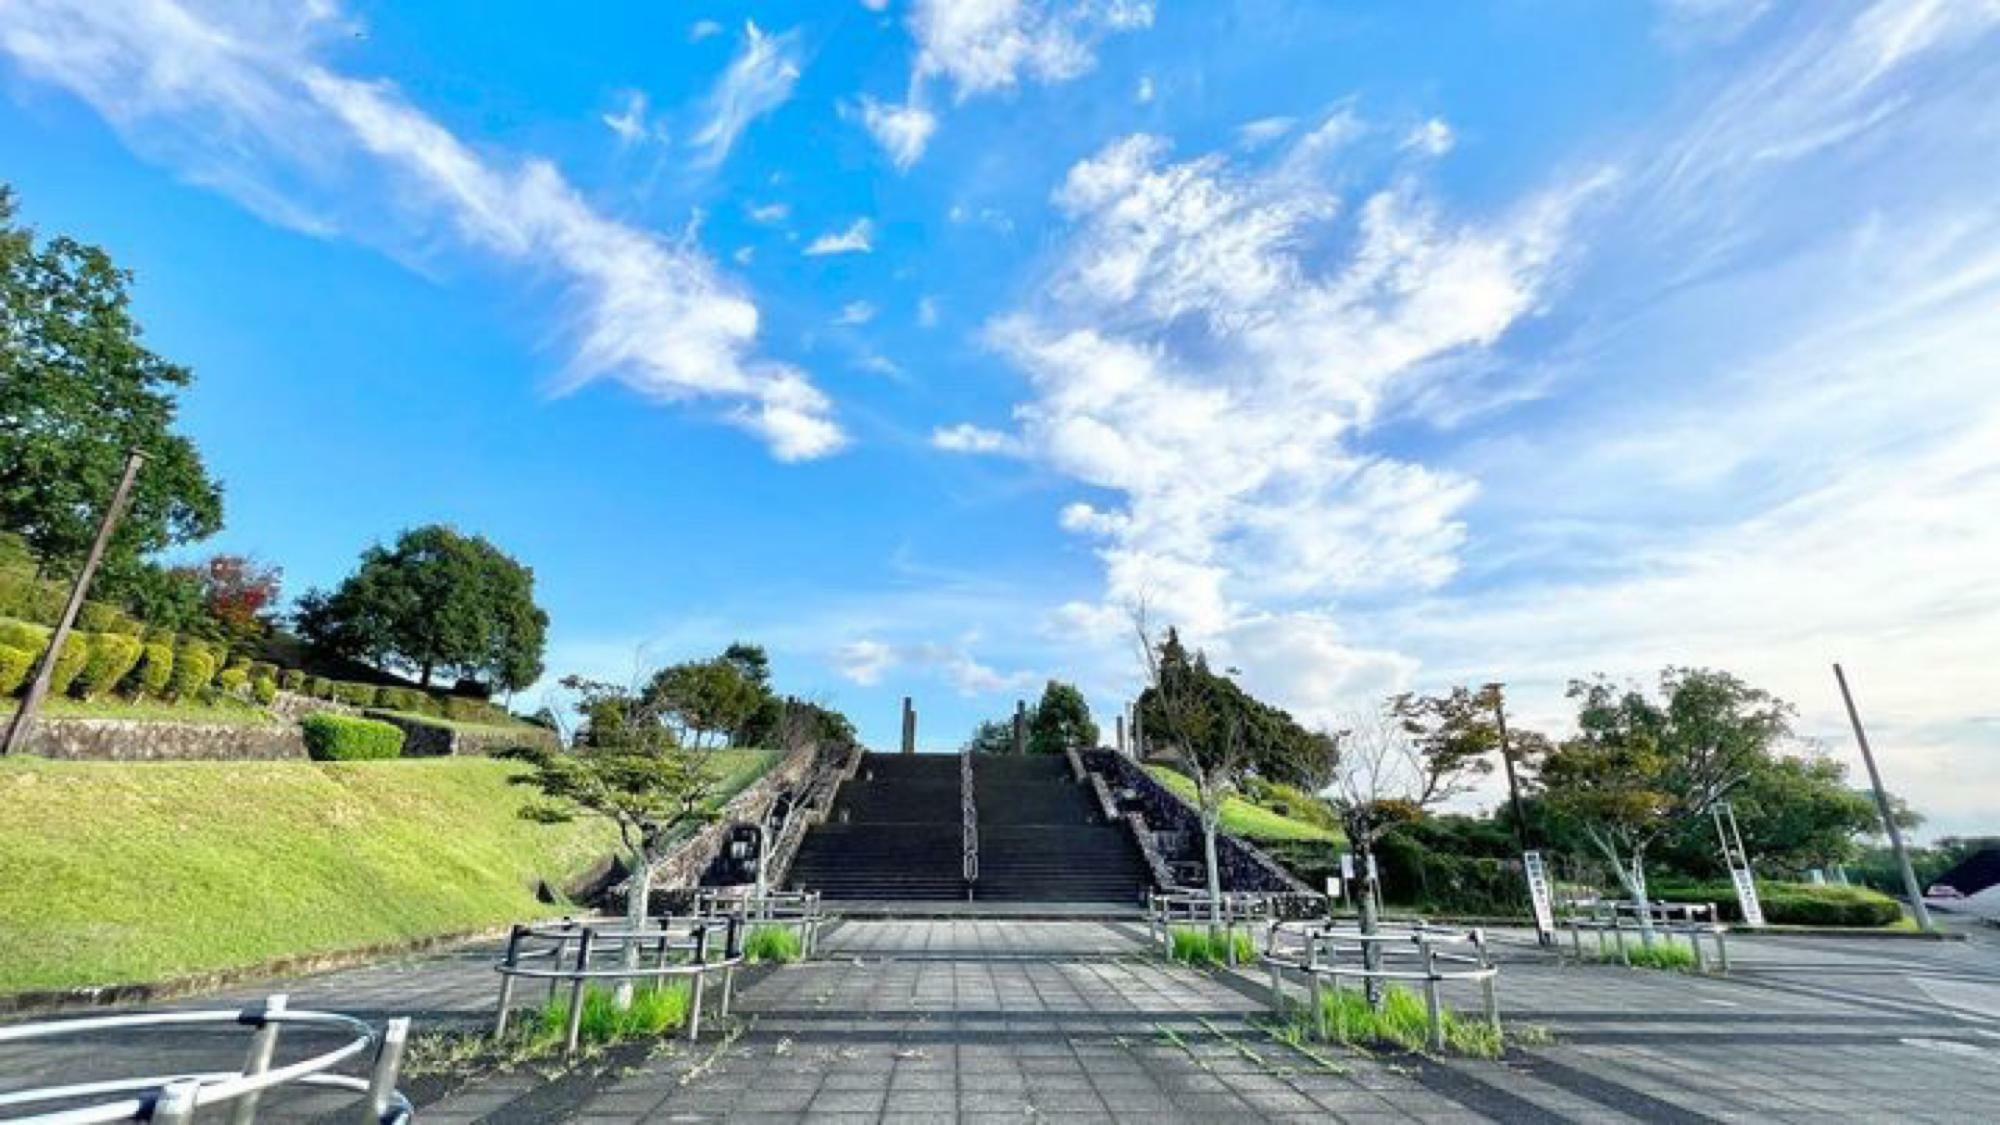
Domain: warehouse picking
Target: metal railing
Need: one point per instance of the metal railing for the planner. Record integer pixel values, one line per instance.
(969, 814)
(1431, 956)
(792, 910)
(1236, 911)
(1613, 920)
(174, 1098)
(580, 953)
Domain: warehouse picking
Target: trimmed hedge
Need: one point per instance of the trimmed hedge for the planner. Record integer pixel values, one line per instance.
(15, 665)
(156, 669)
(192, 668)
(69, 664)
(264, 691)
(23, 635)
(1792, 904)
(291, 679)
(112, 658)
(355, 695)
(343, 738)
(233, 680)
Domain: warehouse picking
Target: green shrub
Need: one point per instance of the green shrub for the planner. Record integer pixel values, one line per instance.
(317, 687)
(1792, 904)
(291, 679)
(401, 699)
(264, 691)
(112, 658)
(155, 671)
(23, 635)
(233, 680)
(1441, 883)
(263, 670)
(779, 944)
(15, 664)
(1402, 1021)
(355, 695)
(1194, 945)
(344, 738)
(75, 654)
(463, 710)
(23, 597)
(654, 1012)
(96, 617)
(192, 668)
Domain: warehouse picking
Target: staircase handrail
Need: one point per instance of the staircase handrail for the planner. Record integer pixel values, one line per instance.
(969, 813)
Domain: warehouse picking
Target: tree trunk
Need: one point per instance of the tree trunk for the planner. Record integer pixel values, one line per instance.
(1635, 883)
(1209, 817)
(425, 679)
(639, 894)
(1371, 921)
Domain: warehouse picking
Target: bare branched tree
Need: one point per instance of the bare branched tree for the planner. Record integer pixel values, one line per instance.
(1185, 723)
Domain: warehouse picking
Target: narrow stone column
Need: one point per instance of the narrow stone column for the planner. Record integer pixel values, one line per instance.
(909, 727)
(1020, 727)
(1121, 733)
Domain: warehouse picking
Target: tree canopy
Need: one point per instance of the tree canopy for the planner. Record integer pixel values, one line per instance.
(1061, 719)
(436, 603)
(78, 390)
(1199, 703)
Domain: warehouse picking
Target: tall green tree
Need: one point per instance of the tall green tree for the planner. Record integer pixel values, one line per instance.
(1060, 720)
(436, 603)
(1641, 769)
(78, 389)
(705, 698)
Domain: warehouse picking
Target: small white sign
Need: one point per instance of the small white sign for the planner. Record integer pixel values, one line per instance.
(1333, 885)
(1746, 896)
(1347, 865)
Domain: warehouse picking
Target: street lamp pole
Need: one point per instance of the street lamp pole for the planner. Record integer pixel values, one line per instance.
(24, 718)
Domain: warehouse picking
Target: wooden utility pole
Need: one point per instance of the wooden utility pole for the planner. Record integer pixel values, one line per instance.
(24, 718)
(1507, 757)
(1910, 886)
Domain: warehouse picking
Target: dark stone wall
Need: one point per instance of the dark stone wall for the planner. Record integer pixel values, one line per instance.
(122, 740)
(430, 740)
(1244, 866)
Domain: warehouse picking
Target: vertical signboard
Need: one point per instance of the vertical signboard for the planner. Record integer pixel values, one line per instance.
(1538, 893)
(1738, 861)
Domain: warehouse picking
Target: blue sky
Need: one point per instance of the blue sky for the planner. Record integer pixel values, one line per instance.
(1379, 345)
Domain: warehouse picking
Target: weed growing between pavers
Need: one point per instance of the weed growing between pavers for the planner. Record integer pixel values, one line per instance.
(1193, 945)
(538, 1036)
(777, 944)
(1401, 1023)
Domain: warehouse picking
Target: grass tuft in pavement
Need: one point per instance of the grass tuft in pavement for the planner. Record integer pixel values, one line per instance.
(1194, 945)
(777, 944)
(1401, 1023)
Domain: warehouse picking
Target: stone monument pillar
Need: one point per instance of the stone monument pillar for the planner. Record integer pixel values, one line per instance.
(1020, 727)
(909, 727)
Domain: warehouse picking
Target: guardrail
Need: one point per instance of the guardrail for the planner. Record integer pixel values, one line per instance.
(1613, 919)
(969, 813)
(793, 910)
(1236, 910)
(172, 1099)
(690, 939)
(1428, 955)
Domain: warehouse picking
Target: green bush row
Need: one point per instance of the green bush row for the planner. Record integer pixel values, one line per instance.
(344, 738)
(1791, 904)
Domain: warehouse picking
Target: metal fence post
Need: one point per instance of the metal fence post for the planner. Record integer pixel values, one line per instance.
(695, 991)
(575, 1025)
(388, 1060)
(1489, 992)
(174, 1104)
(263, 1046)
(511, 961)
(556, 962)
(1432, 1005)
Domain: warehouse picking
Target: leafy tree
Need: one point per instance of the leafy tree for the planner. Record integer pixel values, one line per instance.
(751, 661)
(1640, 769)
(1060, 720)
(1191, 718)
(631, 772)
(1275, 746)
(436, 603)
(992, 736)
(1795, 814)
(238, 592)
(705, 697)
(170, 599)
(78, 390)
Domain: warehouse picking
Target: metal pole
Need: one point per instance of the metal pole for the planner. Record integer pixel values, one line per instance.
(24, 717)
(388, 1060)
(512, 960)
(909, 727)
(1020, 727)
(1916, 893)
(575, 1027)
(263, 1046)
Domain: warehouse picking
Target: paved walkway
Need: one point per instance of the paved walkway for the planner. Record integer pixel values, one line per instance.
(992, 1020)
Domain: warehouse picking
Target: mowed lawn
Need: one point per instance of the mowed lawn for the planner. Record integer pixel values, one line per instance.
(118, 873)
(1241, 818)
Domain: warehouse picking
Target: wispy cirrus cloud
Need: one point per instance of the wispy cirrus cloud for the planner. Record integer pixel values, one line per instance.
(979, 47)
(857, 238)
(238, 98)
(757, 81)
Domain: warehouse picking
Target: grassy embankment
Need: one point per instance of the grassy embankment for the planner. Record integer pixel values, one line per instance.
(116, 873)
(1242, 818)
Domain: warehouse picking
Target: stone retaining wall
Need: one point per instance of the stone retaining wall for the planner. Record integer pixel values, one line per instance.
(124, 740)
(432, 740)
(1245, 867)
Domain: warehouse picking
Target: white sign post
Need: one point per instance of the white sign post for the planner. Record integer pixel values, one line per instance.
(1738, 862)
(1538, 893)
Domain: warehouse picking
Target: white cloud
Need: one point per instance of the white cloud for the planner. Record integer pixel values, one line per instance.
(1433, 138)
(1143, 92)
(769, 214)
(903, 131)
(703, 29)
(855, 312)
(1264, 130)
(968, 438)
(927, 312)
(858, 238)
(240, 101)
(744, 255)
(632, 123)
(867, 661)
(758, 80)
(876, 5)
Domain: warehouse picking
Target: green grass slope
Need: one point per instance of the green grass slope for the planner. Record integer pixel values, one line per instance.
(1242, 818)
(113, 874)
